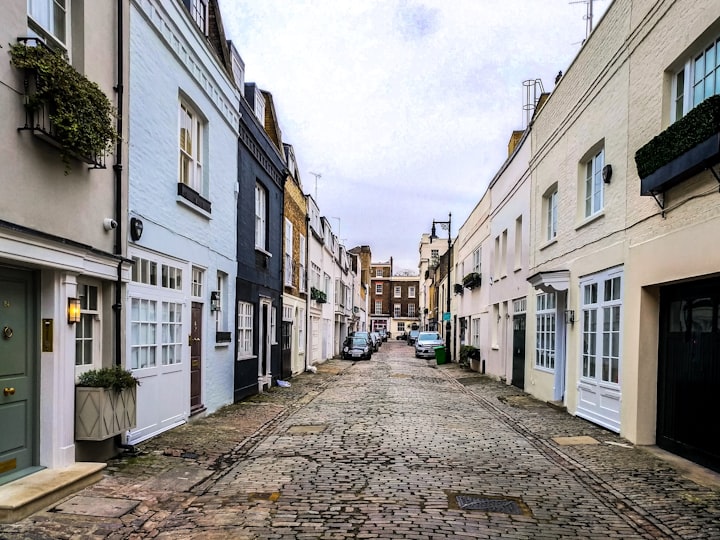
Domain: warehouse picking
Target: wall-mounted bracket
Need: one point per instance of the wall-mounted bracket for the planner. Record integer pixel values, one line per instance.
(660, 202)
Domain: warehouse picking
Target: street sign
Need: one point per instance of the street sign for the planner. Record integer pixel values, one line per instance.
(446, 316)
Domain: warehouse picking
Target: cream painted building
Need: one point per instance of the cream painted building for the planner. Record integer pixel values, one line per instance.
(623, 323)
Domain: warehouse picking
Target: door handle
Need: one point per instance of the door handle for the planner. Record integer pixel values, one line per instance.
(9, 391)
(192, 339)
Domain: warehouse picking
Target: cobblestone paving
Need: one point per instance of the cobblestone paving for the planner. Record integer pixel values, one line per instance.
(381, 449)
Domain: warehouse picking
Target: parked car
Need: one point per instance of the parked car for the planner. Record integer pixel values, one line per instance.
(426, 343)
(368, 336)
(412, 337)
(377, 337)
(383, 334)
(356, 347)
(402, 337)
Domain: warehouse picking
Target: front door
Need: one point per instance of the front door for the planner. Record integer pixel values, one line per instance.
(286, 350)
(196, 358)
(518, 362)
(18, 386)
(689, 371)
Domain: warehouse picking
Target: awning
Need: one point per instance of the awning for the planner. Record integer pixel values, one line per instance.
(552, 281)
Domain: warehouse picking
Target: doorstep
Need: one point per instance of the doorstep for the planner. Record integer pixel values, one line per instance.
(31, 493)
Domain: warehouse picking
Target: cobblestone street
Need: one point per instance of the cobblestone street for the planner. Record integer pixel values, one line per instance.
(394, 447)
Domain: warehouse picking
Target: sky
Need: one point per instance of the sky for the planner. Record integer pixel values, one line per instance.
(400, 111)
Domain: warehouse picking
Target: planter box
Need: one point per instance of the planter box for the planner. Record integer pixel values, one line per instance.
(101, 413)
(681, 168)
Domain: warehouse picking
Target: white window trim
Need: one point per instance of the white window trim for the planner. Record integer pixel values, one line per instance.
(45, 29)
(688, 71)
(245, 330)
(190, 122)
(94, 316)
(551, 215)
(593, 185)
(260, 217)
(543, 338)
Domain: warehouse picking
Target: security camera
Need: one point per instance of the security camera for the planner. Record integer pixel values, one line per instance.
(109, 224)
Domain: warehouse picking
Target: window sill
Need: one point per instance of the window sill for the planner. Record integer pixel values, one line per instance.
(246, 357)
(548, 243)
(197, 201)
(589, 220)
(261, 250)
(190, 206)
(544, 369)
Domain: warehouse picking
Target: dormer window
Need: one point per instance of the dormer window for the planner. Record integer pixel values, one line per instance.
(199, 12)
(260, 107)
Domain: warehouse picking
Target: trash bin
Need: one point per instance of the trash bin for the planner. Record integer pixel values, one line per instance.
(440, 355)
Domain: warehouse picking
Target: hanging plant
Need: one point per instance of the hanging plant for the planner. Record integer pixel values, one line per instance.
(81, 116)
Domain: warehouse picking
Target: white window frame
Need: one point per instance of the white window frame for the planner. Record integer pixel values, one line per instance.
(411, 310)
(260, 217)
(288, 253)
(171, 332)
(378, 307)
(303, 265)
(397, 291)
(601, 327)
(411, 291)
(401, 326)
(245, 330)
(378, 272)
(273, 325)
(475, 332)
(88, 338)
(196, 285)
(43, 23)
(199, 12)
(545, 332)
(476, 262)
(686, 91)
(397, 310)
(551, 214)
(378, 288)
(222, 288)
(144, 324)
(594, 187)
(190, 145)
(301, 330)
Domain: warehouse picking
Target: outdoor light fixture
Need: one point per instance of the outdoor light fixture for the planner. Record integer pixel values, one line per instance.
(73, 310)
(215, 301)
(445, 225)
(570, 316)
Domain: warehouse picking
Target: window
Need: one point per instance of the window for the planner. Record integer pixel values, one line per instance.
(378, 272)
(697, 80)
(198, 275)
(191, 169)
(301, 329)
(245, 329)
(143, 328)
(259, 107)
(396, 310)
(601, 311)
(199, 12)
(401, 326)
(326, 284)
(171, 277)
(475, 337)
(378, 288)
(397, 291)
(411, 310)
(518, 244)
(545, 331)
(260, 217)
(503, 253)
(288, 253)
(411, 292)
(476, 260)
(551, 214)
(496, 257)
(434, 257)
(220, 319)
(144, 271)
(171, 336)
(594, 184)
(273, 325)
(378, 308)
(315, 276)
(48, 20)
(303, 265)
(86, 332)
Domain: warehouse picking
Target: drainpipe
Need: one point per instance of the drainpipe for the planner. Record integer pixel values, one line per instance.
(117, 168)
(308, 351)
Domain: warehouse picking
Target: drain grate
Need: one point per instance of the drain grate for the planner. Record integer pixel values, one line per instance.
(488, 503)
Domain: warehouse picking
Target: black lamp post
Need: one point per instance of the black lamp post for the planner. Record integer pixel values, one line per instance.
(445, 224)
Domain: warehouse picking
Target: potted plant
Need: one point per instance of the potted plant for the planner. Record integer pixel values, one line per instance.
(105, 403)
(63, 106)
(472, 280)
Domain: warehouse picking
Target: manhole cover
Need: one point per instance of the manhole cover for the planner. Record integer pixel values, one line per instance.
(488, 503)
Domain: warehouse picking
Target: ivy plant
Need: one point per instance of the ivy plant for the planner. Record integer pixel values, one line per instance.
(82, 117)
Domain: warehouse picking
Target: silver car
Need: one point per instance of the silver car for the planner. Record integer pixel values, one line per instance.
(426, 343)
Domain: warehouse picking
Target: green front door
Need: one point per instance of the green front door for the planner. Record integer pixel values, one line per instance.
(17, 382)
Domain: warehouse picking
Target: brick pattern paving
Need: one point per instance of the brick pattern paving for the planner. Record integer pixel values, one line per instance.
(382, 449)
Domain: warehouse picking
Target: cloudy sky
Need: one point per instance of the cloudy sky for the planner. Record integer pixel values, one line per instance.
(404, 107)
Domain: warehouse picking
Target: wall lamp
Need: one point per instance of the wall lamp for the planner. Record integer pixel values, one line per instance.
(73, 310)
(570, 316)
(215, 301)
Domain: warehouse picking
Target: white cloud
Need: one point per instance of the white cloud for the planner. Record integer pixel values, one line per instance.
(404, 106)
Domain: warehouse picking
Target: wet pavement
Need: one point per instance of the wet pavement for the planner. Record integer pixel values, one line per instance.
(394, 447)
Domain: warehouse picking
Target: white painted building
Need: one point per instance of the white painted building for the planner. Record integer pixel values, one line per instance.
(182, 192)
